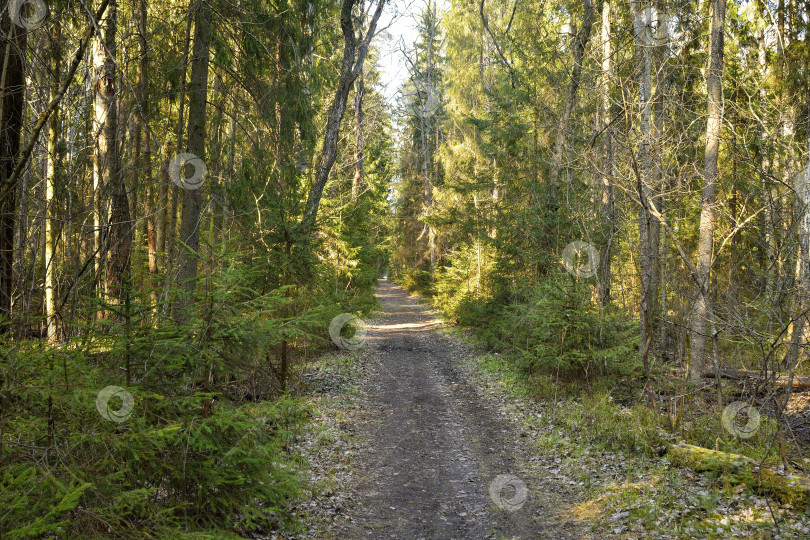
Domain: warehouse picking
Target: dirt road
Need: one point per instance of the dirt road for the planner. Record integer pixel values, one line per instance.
(433, 446)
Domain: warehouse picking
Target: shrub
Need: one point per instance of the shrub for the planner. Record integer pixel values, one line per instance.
(419, 282)
(206, 449)
(167, 466)
(555, 327)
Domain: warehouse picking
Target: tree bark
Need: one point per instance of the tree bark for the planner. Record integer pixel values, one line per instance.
(571, 98)
(167, 218)
(359, 89)
(353, 58)
(198, 94)
(424, 96)
(12, 101)
(104, 132)
(108, 159)
(51, 181)
(608, 164)
(799, 332)
(143, 145)
(766, 143)
(648, 230)
(714, 84)
(659, 286)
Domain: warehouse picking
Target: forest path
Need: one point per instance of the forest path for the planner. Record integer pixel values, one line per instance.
(432, 445)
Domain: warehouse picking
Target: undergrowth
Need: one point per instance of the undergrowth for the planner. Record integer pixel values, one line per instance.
(203, 448)
(551, 342)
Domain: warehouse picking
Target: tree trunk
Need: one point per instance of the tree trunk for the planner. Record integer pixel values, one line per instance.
(424, 134)
(642, 23)
(168, 191)
(766, 143)
(608, 164)
(143, 159)
(430, 148)
(571, 98)
(658, 286)
(352, 63)
(190, 221)
(788, 487)
(51, 181)
(359, 89)
(230, 171)
(12, 101)
(714, 84)
(119, 232)
(104, 134)
(799, 332)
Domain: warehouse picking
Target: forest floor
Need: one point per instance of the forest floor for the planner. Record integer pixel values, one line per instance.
(414, 432)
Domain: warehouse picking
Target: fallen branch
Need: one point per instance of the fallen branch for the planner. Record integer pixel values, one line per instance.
(779, 380)
(788, 487)
(739, 374)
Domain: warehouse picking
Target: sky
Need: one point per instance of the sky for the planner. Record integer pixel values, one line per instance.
(400, 17)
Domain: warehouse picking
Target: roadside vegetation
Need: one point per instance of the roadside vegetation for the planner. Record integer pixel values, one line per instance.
(595, 202)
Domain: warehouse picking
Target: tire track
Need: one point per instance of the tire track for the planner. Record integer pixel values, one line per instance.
(433, 447)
